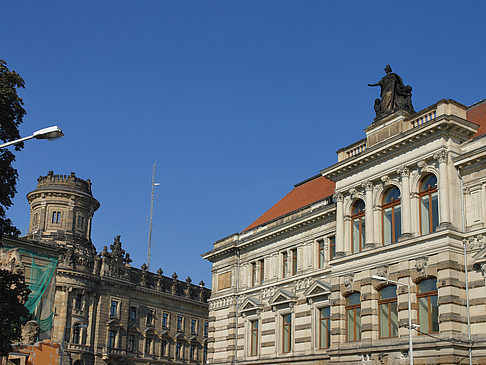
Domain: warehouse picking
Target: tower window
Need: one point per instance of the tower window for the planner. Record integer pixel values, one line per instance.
(56, 217)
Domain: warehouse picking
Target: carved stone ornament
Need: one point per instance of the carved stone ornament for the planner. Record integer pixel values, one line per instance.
(348, 282)
(30, 331)
(421, 165)
(441, 156)
(368, 185)
(382, 271)
(386, 179)
(421, 266)
(338, 197)
(404, 171)
(483, 269)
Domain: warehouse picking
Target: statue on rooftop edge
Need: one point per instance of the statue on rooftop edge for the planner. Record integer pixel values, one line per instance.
(394, 94)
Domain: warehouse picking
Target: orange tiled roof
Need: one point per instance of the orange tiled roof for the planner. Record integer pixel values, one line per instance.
(477, 114)
(302, 195)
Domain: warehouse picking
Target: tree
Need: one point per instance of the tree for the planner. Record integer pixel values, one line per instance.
(13, 313)
(13, 290)
(11, 115)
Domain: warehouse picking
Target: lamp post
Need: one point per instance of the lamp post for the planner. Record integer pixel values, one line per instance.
(64, 335)
(381, 278)
(49, 133)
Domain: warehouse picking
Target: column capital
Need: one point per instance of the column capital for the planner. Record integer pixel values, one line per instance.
(404, 171)
(339, 197)
(441, 156)
(367, 185)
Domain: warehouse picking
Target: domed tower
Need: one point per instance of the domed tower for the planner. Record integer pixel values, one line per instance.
(61, 209)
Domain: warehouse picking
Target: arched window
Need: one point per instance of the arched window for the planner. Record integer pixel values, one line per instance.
(353, 317)
(358, 225)
(388, 312)
(429, 206)
(428, 310)
(391, 212)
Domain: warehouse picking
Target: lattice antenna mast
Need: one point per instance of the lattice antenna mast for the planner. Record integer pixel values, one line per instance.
(151, 214)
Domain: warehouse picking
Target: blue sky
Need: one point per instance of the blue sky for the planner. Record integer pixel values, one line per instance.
(236, 100)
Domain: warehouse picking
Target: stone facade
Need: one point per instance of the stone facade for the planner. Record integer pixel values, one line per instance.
(106, 311)
(300, 286)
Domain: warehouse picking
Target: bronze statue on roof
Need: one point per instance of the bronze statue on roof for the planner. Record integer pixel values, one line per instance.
(394, 94)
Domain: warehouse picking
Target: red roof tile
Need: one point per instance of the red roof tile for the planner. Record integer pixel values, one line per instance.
(302, 195)
(477, 114)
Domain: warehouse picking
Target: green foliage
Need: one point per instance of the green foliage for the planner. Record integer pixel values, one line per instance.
(11, 115)
(13, 314)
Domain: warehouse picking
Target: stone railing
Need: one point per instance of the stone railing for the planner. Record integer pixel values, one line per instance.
(107, 351)
(78, 347)
(423, 118)
(352, 150)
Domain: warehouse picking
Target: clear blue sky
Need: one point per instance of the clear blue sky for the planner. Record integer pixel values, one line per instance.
(236, 100)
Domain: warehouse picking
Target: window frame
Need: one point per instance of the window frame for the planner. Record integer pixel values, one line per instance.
(262, 271)
(150, 317)
(194, 326)
(295, 258)
(253, 274)
(392, 204)
(180, 324)
(429, 294)
(388, 303)
(289, 331)
(165, 320)
(321, 253)
(254, 336)
(359, 217)
(354, 308)
(321, 318)
(131, 317)
(116, 306)
(149, 341)
(112, 334)
(285, 264)
(428, 193)
(131, 343)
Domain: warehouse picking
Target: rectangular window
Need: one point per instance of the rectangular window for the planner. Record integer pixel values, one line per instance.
(285, 264)
(131, 343)
(353, 317)
(148, 345)
(324, 328)
(254, 338)
(111, 339)
(163, 346)
(205, 354)
(194, 326)
(78, 302)
(332, 247)
(180, 323)
(133, 314)
(165, 320)
(192, 352)
(262, 271)
(150, 317)
(294, 261)
(114, 308)
(322, 253)
(56, 217)
(253, 274)
(206, 328)
(178, 350)
(286, 333)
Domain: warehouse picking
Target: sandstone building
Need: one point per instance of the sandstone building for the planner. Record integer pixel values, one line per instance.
(299, 286)
(104, 310)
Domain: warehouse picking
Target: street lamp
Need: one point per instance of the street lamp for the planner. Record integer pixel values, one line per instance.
(381, 278)
(49, 133)
(64, 335)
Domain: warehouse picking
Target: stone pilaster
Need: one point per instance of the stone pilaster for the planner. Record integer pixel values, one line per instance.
(369, 215)
(339, 225)
(442, 158)
(405, 200)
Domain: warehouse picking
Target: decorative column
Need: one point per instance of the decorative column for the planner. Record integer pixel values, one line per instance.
(405, 200)
(369, 223)
(339, 225)
(442, 157)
